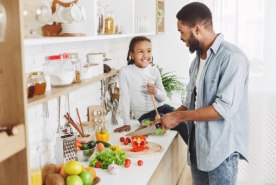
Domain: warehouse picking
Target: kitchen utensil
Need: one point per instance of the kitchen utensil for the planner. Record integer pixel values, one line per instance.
(66, 149)
(49, 133)
(71, 121)
(154, 149)
(80, 120)
(84, 155)
(114, 112)
(59, 110)
(157, 117)
(73, 13)
(144, 131)
(157, 133)
(3, 21)
(36, 13)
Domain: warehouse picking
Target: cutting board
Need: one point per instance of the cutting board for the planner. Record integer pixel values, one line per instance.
(154, 149)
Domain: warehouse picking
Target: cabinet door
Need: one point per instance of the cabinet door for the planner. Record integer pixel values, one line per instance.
(13, 93)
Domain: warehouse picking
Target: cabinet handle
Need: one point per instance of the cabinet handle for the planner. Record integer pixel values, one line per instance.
(11, 131)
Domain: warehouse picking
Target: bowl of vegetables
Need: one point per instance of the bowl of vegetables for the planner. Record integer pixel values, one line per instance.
(159, 131)
(85, 150)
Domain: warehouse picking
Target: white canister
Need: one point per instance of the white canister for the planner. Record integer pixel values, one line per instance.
(48, 82)
(109, 62)
(96, 58)
(95, 69)
(88, 71)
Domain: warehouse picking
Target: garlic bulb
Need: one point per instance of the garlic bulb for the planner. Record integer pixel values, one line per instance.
(113, 168)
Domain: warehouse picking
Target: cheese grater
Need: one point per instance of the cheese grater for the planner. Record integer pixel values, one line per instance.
(66, 149)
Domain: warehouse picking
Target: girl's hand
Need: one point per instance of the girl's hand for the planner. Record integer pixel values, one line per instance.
(122, 129)
(151, 88)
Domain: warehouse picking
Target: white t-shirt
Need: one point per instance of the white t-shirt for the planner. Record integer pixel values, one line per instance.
(201, 65)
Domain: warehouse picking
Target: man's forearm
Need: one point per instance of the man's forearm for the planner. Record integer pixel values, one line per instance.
(181, 108)
(203, 114)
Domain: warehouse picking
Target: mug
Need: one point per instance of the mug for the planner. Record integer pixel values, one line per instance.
(45, 15)
(83, 13)
(59, 15)
(73, 13)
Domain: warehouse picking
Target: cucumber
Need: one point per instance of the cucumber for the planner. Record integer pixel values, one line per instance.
(106, 145)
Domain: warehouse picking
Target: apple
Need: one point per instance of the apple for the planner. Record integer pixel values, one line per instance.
(74, 180)
(86, 177)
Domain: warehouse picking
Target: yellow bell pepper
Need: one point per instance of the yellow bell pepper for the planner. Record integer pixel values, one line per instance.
(115, 148)
(102, 136)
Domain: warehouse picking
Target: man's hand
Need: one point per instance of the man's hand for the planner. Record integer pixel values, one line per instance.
(168, 121)
(151, 88)
(126, 128)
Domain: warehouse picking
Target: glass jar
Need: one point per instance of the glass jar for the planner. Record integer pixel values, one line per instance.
(73, 57)
(109, 23)
(60, 69)
(40, 82)
(36, 170)
(117, 25)
(100, 18)
(30, 85)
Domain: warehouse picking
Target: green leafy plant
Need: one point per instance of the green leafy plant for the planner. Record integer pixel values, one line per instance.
(160, 16)
(171, 83)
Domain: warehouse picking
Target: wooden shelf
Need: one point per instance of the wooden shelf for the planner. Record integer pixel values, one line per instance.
(54, 40)
(12, 144)
(56, 92)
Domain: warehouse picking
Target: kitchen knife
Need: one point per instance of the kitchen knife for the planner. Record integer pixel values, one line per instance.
(144, 131)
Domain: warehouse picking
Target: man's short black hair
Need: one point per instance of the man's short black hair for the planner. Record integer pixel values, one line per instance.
(195, 13)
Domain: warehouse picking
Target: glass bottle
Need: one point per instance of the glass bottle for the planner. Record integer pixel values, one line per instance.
(73, 57)
(100, 18)
(30, 85)
(40, 82)
(117, 25)
(109, 22)
(36, 170)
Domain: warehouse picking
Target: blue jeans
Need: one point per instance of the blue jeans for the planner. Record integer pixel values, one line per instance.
(162, 110)
(225, 174)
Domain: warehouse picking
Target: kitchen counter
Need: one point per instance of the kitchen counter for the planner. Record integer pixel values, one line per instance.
(142, 175)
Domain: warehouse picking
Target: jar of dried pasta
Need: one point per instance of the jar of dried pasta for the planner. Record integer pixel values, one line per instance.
(40, 82)
(109, 22)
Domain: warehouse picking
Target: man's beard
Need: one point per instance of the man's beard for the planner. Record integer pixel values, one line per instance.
(193, 43)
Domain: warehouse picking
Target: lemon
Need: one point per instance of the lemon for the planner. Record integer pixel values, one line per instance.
(72, 168)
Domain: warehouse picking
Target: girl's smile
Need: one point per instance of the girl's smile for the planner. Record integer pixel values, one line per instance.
(142, 55)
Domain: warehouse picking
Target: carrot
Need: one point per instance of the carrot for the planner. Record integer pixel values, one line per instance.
(79, 145)
(78, 149)
(100, 147)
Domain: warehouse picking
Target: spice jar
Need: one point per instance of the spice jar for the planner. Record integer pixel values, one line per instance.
(40, 82)
(100, 18)
(36, 170)
(117, 25)
(109, 22)
(30, 85)
(60, 70)
(73, 57)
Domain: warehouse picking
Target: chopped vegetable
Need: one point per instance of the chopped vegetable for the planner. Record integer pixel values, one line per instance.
(122, 139)
(138, 141)
(106, 156)
(140, 163)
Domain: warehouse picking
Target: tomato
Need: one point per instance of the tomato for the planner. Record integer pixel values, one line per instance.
(127, 165)
(128, 161)
(98, 165)
(125, 142)
(140, 163)
(128, 139)
(78, 141)
(122, 139)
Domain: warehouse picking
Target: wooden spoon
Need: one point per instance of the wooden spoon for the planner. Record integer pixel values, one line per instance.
(157, 117)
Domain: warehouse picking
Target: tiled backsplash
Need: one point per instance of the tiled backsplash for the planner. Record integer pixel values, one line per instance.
(116, 49)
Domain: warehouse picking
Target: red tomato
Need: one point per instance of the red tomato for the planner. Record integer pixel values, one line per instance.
(128, 139)
(98, 165)
(122, 139)
(125, 142)
(78, 141)
(127, 165)
(128, 161)
(140, 163)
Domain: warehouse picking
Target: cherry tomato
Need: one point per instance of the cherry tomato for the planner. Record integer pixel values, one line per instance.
(98, 165)
(128, 161)
(140, 163)
(125, 142)
(128, 139)
(127, 165)
(122, 139)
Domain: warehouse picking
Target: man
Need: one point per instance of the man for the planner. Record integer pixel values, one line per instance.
(216, 107)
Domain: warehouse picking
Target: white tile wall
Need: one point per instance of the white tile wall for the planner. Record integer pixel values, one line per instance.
(116, 49)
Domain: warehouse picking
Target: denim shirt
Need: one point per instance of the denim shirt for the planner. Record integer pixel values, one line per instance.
(223, 84)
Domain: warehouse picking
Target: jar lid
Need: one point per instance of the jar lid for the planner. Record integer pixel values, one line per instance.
(28, 75)
(37, 73)
(57, 57)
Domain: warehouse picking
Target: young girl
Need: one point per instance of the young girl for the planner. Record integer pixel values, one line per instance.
(134, 88)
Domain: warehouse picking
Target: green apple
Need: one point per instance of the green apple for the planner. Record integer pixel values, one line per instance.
(74, 180)
(86, 177)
